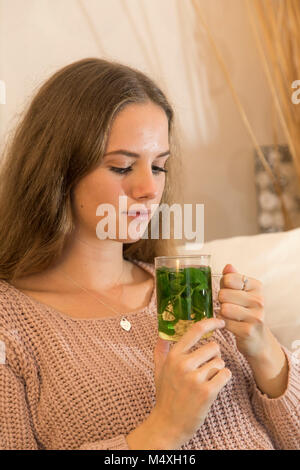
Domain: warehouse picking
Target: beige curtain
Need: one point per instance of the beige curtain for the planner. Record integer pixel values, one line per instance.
(276, 28)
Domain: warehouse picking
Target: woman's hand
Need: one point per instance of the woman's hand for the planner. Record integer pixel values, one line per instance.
(187, 383)
(243, 312)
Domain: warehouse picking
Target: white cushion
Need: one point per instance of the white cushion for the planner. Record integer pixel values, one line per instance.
(274, 259)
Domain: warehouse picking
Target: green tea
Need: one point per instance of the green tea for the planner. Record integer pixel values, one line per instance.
(184, 296)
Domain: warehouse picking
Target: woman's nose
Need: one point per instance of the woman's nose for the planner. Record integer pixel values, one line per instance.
(144, 185)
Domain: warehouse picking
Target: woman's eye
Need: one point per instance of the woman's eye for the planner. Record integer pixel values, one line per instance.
(120, 170)
(155, 169)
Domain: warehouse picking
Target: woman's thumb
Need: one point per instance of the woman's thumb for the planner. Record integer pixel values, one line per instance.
(229, 268)
(160, 353)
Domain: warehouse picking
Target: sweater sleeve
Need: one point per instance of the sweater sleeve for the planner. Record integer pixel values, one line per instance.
(281, 415)
(116, 443)
(17, 425)
(16, 430)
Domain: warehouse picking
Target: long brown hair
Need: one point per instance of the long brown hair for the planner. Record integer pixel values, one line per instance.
(61, 137)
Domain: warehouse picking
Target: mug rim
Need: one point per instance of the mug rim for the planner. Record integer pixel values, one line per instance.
(183, 256)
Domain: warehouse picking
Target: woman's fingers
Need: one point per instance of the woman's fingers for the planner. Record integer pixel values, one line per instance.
(238, 313)
(235, 281)
(220, 380)
(242, 298)
(200, 356)
(195, 333)
(210, 369)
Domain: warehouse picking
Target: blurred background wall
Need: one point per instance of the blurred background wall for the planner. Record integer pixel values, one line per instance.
(159, 37)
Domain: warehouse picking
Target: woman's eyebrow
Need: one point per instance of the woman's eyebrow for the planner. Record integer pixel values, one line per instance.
(132, 154)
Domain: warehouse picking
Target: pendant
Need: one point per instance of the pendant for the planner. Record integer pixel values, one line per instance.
(125, 324)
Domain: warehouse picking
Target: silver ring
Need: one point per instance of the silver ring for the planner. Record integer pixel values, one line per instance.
(245, 281)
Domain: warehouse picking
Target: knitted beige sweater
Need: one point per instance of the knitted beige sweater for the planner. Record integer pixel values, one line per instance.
(86, 383)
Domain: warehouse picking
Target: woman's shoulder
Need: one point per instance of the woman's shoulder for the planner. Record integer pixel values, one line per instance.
(4, 285)
(6, 298)
(8, 302)
(13, 306)
(11, 325)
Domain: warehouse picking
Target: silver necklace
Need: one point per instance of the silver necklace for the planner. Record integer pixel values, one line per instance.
(124, 323)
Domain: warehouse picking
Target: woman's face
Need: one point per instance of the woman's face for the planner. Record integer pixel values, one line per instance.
(141, 129)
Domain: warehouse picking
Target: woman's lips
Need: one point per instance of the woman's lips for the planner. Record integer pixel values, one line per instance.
(139, 214)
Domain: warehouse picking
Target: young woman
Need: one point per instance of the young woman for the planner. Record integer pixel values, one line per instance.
(81, 363)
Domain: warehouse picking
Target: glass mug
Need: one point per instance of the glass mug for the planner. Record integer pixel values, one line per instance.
(183, 293)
